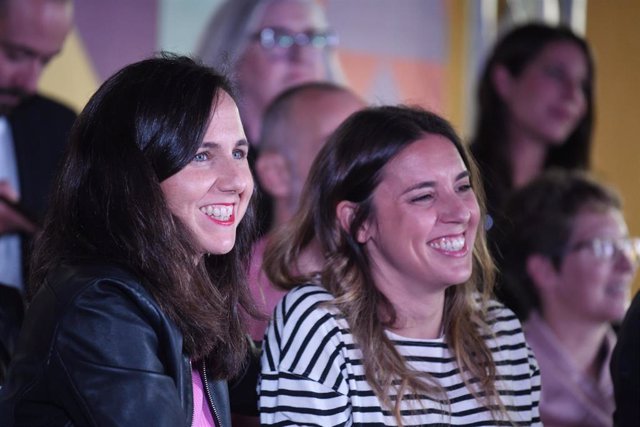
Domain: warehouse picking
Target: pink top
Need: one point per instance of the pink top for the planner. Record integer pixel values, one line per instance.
(568, 397)
(202, 416)
(264, 293)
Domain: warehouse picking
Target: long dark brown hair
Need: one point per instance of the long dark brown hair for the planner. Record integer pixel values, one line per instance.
(143, 125)
(515, 51)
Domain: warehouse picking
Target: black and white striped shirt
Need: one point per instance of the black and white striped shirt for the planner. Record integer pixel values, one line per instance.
(312, 372)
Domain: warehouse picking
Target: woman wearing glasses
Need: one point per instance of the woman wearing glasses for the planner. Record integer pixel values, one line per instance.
(270, 45)
(570, 253)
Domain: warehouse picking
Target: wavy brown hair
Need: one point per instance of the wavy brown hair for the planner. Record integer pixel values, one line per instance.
(350, 167)
(143, 125)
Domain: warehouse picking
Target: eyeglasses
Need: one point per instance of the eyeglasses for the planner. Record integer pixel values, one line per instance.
(275, 38)
(606, 248)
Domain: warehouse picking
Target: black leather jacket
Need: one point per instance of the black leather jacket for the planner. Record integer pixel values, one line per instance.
(96, 349)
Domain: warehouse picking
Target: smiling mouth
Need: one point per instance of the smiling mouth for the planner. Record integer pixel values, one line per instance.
(219, 213)
(449, 244)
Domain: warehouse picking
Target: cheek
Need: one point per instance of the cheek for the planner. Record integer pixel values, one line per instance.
(533, 91)
(474, 213)
(584, 280)
(583, 106)
(183, 190)
(249, 188)
(256, 67)
(171, 193)
(251, 69)
(247, 194)
(317, 59)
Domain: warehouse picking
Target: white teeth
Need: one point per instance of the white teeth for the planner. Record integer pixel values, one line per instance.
(221, 213)
(448, 244)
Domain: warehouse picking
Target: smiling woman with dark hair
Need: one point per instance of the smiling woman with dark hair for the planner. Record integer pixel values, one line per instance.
(397, 325)
(140, 268)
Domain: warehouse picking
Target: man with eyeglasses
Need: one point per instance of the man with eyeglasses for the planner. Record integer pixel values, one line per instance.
(570, 258)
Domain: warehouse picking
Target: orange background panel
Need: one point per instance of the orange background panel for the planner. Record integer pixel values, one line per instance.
(420, 83)
(359, 69)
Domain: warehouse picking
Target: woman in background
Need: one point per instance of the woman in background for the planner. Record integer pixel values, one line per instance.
(397, 326)
(140, 268)
(270, 46)
(570, 253)
(535, 111)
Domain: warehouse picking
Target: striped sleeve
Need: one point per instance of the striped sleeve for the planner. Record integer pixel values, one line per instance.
(313, 372)
(303, 378)
(535, 389)
(518, 372)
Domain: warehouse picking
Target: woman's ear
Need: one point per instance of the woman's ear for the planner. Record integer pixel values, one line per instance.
(541, 271)
(346, 211)
(502, 81)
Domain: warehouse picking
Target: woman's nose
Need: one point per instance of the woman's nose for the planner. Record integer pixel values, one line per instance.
(234, 176)
(305, 54)
(625, 260)
(574, 90)
(453, 209)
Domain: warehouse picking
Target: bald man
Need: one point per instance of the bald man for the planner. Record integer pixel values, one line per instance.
(33, 129)
(295, 127)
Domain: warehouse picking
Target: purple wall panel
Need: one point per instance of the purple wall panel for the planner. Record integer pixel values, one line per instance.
(117, 32)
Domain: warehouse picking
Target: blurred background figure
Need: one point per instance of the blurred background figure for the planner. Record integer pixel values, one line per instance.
(571, 256)
(625, 369)
(535, 111)
(33, 133)
(269, 46)
(33, 129)
(295, 126)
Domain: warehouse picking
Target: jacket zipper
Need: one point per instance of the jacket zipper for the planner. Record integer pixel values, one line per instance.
(208, 390)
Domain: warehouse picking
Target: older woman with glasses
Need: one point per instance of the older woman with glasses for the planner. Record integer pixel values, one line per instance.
(570, 253)
(270, 45)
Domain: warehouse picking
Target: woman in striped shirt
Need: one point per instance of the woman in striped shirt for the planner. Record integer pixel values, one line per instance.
(394, 324)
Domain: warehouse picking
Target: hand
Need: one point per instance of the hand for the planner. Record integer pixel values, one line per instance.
(11, 220)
